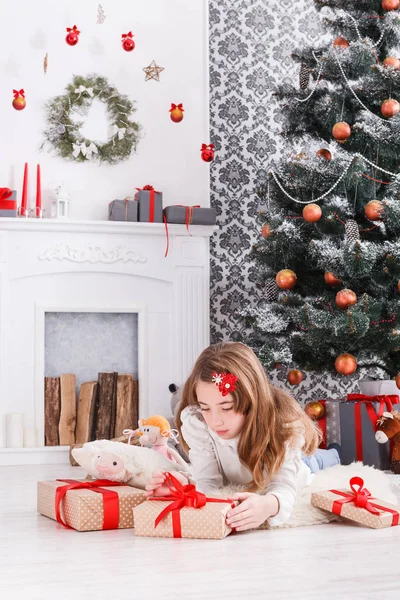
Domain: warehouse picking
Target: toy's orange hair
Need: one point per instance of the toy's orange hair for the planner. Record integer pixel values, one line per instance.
(160, 422)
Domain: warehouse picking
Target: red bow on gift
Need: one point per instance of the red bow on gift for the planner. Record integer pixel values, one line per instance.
(74, 29)
(127, 35)
(391, 398)
(181, 496)
(361, 497)
(19, 93)
(207, 147)
(176, 106)
(146, 187)
(5, 193)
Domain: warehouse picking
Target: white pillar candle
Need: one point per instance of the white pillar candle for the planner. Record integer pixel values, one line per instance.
(15, 430)
(30, 437)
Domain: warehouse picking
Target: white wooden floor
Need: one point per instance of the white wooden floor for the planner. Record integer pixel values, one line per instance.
(40, 560)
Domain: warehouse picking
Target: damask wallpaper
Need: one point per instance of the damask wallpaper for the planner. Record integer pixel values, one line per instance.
(251, 42)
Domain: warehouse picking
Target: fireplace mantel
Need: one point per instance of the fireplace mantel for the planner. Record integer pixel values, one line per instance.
(95, 266)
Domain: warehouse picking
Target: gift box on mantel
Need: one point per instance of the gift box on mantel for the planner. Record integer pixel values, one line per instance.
(186, 513)
(8, 202)
(150, 204)
(89, 505)
(123, 210)
(357, 505)
(190, 215)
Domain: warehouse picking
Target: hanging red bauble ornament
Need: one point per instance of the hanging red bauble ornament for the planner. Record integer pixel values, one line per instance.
(398, 380)
(72, 37)
(176, 111)
(390, 108)
(315, 410)
(392, 61)
(341, 131)
(324, 153)
(346, 364)
(295, 376)
(341, 42)
(127, 41)
(331, 279)
(19, 101)
(374, 210)
(345, 298)
(312, 213)
(398, 285)
(390, 4)
(207, 152)
(286, 279)
(266, 231)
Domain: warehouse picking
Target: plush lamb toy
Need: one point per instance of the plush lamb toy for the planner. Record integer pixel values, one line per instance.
(134, 465)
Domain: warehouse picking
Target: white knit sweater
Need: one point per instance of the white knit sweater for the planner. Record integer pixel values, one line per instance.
(215, 463)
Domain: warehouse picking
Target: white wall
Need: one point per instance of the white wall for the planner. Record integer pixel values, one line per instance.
(172, 32)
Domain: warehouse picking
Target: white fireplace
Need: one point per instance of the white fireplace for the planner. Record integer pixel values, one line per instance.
(94, 266)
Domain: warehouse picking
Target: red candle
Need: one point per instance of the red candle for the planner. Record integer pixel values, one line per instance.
(38, 193)
(24, 191)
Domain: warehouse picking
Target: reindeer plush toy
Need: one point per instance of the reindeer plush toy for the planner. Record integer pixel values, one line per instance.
(388, 428)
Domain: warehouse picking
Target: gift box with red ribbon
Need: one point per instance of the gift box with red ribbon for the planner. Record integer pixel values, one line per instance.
(88, 505)
(150, 204)
(185, 513)
(123, 210)
(190, 215)
(357, 504)
(8, 202)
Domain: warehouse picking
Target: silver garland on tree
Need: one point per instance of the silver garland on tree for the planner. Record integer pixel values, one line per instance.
(352, 231)
(271, 290)
(304, 76)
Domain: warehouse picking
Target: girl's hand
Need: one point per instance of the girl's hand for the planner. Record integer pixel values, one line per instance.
(252, 510)
(156, 486)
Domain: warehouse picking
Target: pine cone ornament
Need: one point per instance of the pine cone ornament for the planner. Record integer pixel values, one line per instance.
(352, 231)
(304, 76)
(271, 290)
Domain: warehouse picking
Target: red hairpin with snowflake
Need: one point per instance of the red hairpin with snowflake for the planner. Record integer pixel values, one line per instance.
(226, 382)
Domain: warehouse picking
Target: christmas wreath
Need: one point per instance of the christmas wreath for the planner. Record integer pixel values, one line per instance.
(63, 130)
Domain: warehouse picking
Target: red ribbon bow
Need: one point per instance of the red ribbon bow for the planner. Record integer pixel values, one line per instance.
(74, 29)
(5, 193)
(127, 35)
(19, 93)
(361, 498)
(146, 187)
(181, 496)
(176, 106)
(207, 147)
(110, 499)
(388, 398)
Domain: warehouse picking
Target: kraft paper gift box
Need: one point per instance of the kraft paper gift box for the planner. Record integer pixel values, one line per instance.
(8, 202)
(89, 505)
(190, 215)
(150, 205)
(185, 514)
(123, 210)
(357, 505)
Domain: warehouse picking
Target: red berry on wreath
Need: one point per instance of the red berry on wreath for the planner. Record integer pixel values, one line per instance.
(176, 111)
(19, 101)
(72, 37)
(127, 41)
(207, 152)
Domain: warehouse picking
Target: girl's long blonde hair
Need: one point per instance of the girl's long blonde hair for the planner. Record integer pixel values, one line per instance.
(273, 417)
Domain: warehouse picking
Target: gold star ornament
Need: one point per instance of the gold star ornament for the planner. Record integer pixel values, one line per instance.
(153, 71)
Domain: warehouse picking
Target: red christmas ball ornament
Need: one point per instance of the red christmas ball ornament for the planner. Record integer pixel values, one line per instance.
(331, 279)
(341, 42)
(341, 131)
(390, 4)
(324, 153)
(72, 37)
(266, 231)
(127, 41)
(176, 112)
(345, 298)
(207, 152)
(346, 364)
(295, 376)
(390, 108)
(312, 213)
(286, 279)
(392, 61)
(398, 380)
(19, 101)
(374, 210)
(398, 285)
(315, 410)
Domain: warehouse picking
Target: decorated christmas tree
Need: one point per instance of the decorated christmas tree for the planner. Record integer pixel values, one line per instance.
(328, 257)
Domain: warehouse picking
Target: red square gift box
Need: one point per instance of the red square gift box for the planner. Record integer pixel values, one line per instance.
(185, 513)
(357, 505)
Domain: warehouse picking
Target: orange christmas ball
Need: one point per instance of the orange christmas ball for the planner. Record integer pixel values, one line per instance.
(176, 113)
(374, 210)
(312, 213)
(346, 364)
(345, 298)
(390, 4)
(398, 380)
(266, 231)
(315, 410)
(331, 279)
(390, 108)
(391, 61)
(286, 279)
(341, 131)
(341, 42)
(19, 103)
(324, 153)
(295, 376)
